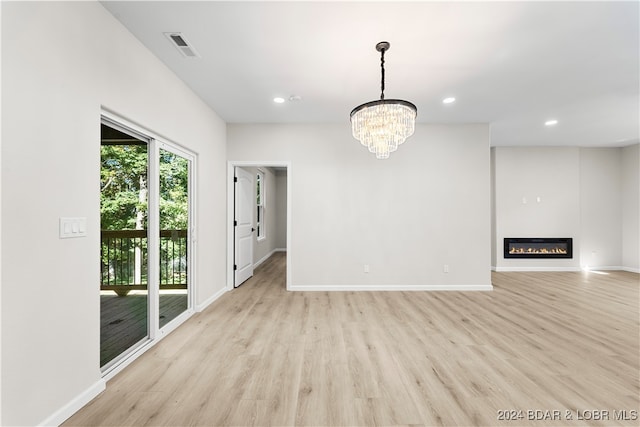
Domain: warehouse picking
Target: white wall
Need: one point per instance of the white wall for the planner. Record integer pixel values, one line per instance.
(281, 210)
(492, 198)
(0, 221)
(61, 62)
(631, 208)
(600, 208)
(406, 217)
(522, 174)
(590, 194)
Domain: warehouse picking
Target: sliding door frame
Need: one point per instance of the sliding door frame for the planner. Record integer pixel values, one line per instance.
(155, 333)
(191, 232)
(144, 341)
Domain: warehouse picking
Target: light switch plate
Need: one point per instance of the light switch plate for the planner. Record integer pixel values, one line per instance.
(71, 227)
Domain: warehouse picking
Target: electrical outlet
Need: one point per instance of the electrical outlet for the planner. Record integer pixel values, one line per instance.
(366, 268)
(445, 268)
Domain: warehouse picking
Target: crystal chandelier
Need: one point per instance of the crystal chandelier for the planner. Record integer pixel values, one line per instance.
(384, 124)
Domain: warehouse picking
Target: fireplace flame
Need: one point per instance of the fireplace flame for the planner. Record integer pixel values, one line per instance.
(523, 250)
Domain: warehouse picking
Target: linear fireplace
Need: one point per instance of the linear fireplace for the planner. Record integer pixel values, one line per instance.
(548, 247)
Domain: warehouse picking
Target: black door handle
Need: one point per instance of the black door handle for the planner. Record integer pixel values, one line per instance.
(253, 229)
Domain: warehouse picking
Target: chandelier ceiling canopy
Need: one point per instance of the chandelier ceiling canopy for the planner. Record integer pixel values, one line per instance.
(384, 124)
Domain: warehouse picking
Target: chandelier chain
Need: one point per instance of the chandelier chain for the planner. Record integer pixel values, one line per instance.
(382, 73)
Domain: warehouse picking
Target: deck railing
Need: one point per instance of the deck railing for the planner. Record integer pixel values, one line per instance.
(124, 260)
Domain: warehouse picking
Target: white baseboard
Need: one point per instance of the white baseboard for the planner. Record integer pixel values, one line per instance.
(614, 268)
(210, 300)
(560, 269)
(62, 414)
(267, 256)
(525, 269)
(605, 268)
(342, 288)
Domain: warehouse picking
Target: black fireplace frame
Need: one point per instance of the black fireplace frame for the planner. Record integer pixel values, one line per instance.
(563, 240)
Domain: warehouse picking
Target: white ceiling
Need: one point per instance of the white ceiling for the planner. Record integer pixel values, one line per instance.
(512, 64)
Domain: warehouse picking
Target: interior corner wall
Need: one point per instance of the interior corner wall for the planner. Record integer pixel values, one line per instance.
(406, 217)
(62, 62)
(494, 243)
(631, 208)
(600, 208)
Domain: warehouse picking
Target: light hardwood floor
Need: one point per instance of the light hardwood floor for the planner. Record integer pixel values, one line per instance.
(566, 342)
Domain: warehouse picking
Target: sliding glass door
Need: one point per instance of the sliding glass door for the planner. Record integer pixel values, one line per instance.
(174, 171)
(146, 248)
(124, 267)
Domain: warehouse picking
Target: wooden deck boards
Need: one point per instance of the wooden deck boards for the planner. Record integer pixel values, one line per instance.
(565, 342)
(123, 320)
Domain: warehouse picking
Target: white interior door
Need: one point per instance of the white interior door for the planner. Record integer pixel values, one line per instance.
(243, 226)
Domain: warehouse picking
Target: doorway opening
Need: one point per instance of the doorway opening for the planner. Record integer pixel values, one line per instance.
(259, 198)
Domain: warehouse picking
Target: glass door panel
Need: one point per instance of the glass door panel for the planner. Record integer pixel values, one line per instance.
(124, 299)
(174, 235)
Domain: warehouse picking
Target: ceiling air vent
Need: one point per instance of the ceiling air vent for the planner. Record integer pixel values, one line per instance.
(179, 41)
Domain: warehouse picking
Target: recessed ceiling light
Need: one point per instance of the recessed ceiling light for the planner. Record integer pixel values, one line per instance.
(278, 100)
(551, 122)
(448, 100)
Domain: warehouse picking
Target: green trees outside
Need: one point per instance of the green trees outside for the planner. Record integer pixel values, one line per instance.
(124, 188)
(174, 216)
(174, 191)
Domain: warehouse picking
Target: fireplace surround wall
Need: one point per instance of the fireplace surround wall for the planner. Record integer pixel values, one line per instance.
(538, 247)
